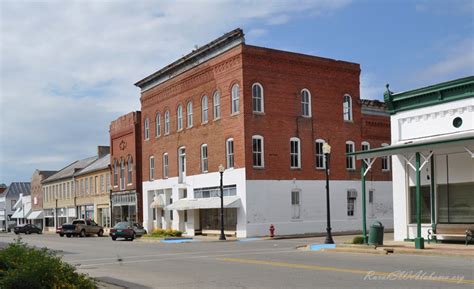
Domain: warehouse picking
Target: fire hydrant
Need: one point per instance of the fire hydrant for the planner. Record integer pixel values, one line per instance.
(272, 231)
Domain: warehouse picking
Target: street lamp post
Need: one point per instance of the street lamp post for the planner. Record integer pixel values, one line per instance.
(327, 153)
(221, 172)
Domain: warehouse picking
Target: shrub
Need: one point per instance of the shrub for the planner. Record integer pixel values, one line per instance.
(26, 267)
(159, 233)
(358, 240)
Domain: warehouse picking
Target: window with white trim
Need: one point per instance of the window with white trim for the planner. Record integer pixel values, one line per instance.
(385, 160)
(115, 173)
(179, 114)
(295, 204)
(152, 168)
(257, 151)
(347, 107)
(204, 109)
(365, 146)
(305, 103)
(167, 122)
(217, 104)
(230, 153)
(165, 165)
(319, 154)
(235, 99)
(189, 110)
(350, 160)
(147, 129)
(122, 174)
(295, 153)
(257, 98)
(130, 169)
(204, 159)
(158, 124)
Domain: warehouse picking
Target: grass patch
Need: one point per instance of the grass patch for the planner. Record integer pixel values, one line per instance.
(161, 233)
(26, 267)
(358, 240)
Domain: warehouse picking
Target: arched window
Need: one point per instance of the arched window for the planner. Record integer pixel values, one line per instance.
(235, 98)
(122, 174)
(204, 109)
(347, 107)
(204, 159)
(189, 110)
(257, 97)
(147, 129)
(130, 170)
(158, 125)
(217, 105)
(385, 161)
(258, 151)
(305, 103)
(350, 160)
(318, 149)
(167, 122)
(295, 153)
(365, 146)
(179, 114)
(115, 174)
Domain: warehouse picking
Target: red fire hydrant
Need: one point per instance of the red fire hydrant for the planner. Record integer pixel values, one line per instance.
(272, 231)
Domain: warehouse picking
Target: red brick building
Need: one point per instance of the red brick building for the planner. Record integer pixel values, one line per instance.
(264, 114)
(125, 161)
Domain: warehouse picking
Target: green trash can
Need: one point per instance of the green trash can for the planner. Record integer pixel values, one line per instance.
(376, 234)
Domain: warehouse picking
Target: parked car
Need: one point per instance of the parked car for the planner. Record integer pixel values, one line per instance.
(81, 228)
(27, 229)
(59, 230)
(127, 230)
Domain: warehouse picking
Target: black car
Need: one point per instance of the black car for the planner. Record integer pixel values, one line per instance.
(127, 230)
(27, 229)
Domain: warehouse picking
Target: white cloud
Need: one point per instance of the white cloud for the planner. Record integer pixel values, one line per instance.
(369, 89)
(68, 67)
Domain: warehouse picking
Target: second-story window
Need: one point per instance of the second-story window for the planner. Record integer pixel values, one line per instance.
(167, 122)
(204, 159)
(385, 160)
(158, 124)
(130, 170)
(189, 111)
(257, 97)
(122, 174)
(147, 129)
(230, 153)
(165, 165)
(115, 174)
(365, 146)
(305, 103)
(320, 161)
(204, 109)
(179, 114)
(257, 151)
(152, 168)
(295, 153)
(347, 107)
(235, 95)
(217, 105)
(350, 160)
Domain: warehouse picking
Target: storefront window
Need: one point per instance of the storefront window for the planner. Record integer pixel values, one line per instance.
(210, 219)
(456, 203)
(425, 205)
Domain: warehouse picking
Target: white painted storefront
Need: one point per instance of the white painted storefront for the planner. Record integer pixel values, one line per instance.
(266, 202)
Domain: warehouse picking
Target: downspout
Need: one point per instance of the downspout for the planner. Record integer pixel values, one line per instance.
(433, 216)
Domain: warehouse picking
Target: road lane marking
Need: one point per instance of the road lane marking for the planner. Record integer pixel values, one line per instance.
(341, 270)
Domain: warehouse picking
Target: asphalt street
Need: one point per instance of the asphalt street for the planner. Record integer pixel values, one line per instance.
(250, 264)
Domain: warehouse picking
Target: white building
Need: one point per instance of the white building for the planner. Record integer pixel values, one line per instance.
(432, 133)
(22, 210)
(8, 200)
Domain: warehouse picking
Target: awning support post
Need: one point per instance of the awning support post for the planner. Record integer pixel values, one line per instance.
(419, 241)
(432, 191)
(364, 222)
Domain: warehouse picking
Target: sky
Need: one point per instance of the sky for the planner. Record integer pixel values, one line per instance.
(67, 68)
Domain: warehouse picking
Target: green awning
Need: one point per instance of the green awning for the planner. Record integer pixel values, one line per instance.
(462, 140)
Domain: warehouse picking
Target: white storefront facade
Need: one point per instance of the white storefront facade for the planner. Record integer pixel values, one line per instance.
(432, 131)
(251, 206)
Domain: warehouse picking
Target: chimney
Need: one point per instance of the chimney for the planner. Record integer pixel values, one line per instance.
(103, 151)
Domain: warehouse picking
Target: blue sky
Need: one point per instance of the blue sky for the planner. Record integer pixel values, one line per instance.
(68, 67)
